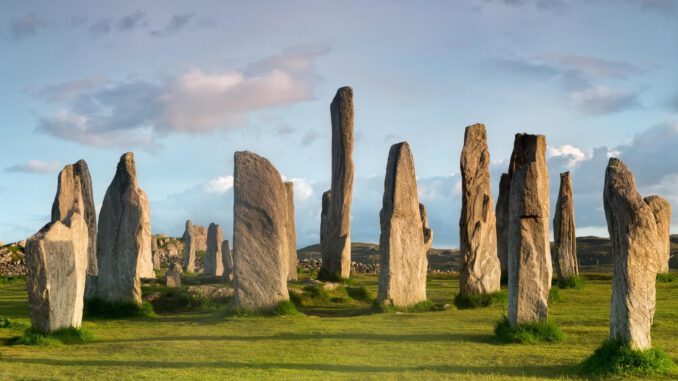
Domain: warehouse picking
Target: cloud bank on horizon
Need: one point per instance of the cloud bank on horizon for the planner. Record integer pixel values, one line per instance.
(185, 85)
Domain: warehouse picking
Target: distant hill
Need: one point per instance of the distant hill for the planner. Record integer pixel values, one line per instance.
(594, 254)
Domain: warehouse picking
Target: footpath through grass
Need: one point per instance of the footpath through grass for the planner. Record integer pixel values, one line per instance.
(337, 336)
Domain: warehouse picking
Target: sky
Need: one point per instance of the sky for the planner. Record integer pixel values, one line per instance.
(184, 85)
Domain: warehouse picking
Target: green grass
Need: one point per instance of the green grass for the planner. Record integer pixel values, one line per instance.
(576, 282)
(667, 277)
(497, 299)
(284, 308)
(337, 341)
(528, 333)
(63, 336)
(98, 309)
(5, 322)
(613, 358)
(555, 295)
(425, 306)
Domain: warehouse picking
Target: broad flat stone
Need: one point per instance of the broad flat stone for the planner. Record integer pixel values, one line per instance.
(291, 232)
(214, 265)
(661, 208)
(564, 231)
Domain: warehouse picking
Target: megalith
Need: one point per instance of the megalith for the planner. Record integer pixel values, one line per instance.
(156, 253)
(261, 251)
(227, 261)
(480, 270)
(214, 265)
(291, 232)
(189, 248)
(173, 275)
(335, 235)
(661, 208)
(502, 214)
(564, 232)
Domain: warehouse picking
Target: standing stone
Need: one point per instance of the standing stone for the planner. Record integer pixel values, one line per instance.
(173, 275)
(261, 251)
(481, 271)
(122, 239)
(405, 237)
(633, 232)
(291, 232)
(565, 238)
(189, 248)
(214, 265)
(155, 251)
(145, 249)
(56, 264)
(227, 261)
(336, 230)
(502, 215)
(200, 237)
(530, 270)
(661, 209)
(74, 194)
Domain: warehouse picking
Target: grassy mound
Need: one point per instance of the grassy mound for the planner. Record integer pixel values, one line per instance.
(179, 300)
(100, 309)
(667, 278)
(614, 358)
(479, 301)
(425, 306)
(528, 333)
(576, 282)
(326, 276)
(284, 308)
(360, 293)
(62, 336)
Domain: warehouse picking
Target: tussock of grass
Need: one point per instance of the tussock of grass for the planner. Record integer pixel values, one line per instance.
(326, 276)
(667, 278)
(554, 295)
(359, 293)
(478, 301)
(63, 336)
(425, 306)
(99, 309)
(576, 282)
(317, 295)
(614, 358)
(6, 323)
(284, 308)
(179, 300)
(527, 333)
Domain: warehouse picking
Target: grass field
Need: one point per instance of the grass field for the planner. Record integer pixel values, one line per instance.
(332, 340)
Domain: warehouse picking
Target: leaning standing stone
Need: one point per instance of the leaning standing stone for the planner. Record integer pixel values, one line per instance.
(530, 270)
(661, 209)
(189, 248)
(502, 215)
(291, 232)
(405, 237)
(633, 232)
(481, 271)
(261, 251)
(565, 239)
(335, 232)
(214, 265)
(56, 264)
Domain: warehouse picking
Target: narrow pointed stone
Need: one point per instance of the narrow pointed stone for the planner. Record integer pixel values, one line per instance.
(156, 253)
(481, 271)
(633, 232)
(336, 229)
(227, 261)
(502, 215)
(189, 248)
(405, 236)
(661, 209)
(564, 231)
(214, 265)
(291, 232)
(261, 251)
(145, 237)
(530, 269)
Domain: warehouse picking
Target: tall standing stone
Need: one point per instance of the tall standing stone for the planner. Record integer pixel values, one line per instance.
(122, 239)
(633, 232)
(227, 261)
(189, 248)
(56, 265)
(261, 251)
(405, 237)
(502, 216)
(661, 209)
(481, 271)
(145, 249)
(214, 265)
(291, 232)
(336, 227)
(156, 253)
(74, 194)
(530, 270)
(565, 238)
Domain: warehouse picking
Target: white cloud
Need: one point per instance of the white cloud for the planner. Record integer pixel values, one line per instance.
(303, 189)
(220, 185)
(35, 166)
(600, 100)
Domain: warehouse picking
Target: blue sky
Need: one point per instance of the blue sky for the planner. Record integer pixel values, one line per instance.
(185, 84)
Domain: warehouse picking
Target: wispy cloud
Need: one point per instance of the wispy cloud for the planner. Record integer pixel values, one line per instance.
(176, 23)
(35, 166)
(601, 100)
(26, 26)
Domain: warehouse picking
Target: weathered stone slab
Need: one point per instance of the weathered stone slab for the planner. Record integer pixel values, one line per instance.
(214, 265)
(530, 269)
(502, 216)
(145, 251)
(564, 231)
(405, 236)
(635, 246)
(291, 232)
(189, 248)
(661, 208)
(335, 233)
(173, 276)
(480, 271)
(261, 251)
(56, 262)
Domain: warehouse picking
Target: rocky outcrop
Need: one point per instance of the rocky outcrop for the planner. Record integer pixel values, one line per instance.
(214, 265)
(227, 261)
(56, 261)
(661, 209)
(291, 232)
(633, 231)
(189, 248)
(261, 250)
(480, 271)
(173, 276)
(123, 237)
(405, 236)
(530, 270)
(335, 232)
(74, 194)
(565, 238)
(502, 216)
